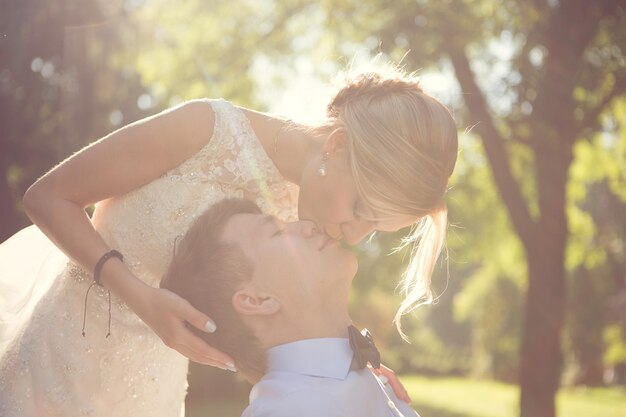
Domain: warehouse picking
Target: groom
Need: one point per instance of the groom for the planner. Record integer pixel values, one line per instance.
(278, 293)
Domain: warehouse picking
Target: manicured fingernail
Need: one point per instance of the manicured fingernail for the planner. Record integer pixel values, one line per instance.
(210, 327)
(232, 368)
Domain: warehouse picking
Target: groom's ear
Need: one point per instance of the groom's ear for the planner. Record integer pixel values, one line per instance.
(250, 303)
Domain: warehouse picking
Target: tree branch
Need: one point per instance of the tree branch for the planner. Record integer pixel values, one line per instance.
(590, 120)
(493, 144)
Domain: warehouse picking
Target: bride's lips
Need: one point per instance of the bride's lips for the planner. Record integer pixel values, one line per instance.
(325, 231)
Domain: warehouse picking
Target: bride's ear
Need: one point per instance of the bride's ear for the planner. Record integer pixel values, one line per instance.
(250, 303)
(337, 140)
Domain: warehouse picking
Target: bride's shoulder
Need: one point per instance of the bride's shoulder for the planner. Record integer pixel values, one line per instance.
(264, 125)
(191, 114)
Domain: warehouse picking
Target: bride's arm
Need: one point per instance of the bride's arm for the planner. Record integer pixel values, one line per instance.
(116, 164)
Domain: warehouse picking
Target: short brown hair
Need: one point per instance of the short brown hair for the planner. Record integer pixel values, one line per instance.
(207, 271)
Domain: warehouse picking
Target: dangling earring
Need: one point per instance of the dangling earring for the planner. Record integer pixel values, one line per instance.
(321, 171)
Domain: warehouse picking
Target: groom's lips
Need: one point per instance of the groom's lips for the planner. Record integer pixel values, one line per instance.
(326, 240)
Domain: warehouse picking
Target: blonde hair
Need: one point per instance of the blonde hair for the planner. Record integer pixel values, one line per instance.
(403, 147)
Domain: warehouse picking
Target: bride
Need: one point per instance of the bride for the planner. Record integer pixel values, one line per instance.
(85, 329)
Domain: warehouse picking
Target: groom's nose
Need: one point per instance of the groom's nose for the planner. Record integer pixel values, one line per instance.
(307, 228)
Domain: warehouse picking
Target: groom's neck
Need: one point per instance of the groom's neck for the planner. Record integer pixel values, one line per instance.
(274, 334)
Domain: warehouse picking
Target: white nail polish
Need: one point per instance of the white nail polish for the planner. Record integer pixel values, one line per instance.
(210, 327)
(232, 369)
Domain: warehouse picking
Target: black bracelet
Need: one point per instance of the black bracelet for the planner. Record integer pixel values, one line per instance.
(98, 268)
(96, 280)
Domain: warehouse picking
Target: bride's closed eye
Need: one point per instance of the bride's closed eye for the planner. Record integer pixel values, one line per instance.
(360, 211)
(355, 211)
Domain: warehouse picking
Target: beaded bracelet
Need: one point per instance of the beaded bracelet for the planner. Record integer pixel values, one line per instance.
(96, 280)
(97, 270)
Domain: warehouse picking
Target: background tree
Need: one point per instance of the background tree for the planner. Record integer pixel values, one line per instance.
(59, 89)
(559, 82)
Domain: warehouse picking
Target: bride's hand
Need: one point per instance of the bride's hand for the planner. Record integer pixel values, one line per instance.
(394, 381)
(167, 314)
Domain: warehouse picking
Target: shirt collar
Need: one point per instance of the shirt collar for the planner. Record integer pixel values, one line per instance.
(325, 357)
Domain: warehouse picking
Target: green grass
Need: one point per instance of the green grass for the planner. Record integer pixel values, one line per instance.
(457, 397)
(592, 402)
(460, 397)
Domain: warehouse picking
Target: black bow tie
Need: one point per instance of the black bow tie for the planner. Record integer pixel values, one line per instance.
(364, 349)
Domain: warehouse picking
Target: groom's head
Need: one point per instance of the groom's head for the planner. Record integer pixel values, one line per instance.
(259, 279)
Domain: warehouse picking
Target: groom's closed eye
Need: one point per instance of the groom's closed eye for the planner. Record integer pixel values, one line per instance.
(274, 224)
(279, 228)
(279, 231)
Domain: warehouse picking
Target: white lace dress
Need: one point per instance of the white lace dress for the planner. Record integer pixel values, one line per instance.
(52, 370)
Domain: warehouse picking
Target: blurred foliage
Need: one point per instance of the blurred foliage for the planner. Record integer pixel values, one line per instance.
(511, 48)
(216, 51)
(59, 88)
(71, 71)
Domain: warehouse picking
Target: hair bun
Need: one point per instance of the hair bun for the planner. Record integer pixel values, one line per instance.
(370, 85)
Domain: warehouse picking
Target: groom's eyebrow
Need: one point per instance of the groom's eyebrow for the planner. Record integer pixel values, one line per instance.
(268, 219)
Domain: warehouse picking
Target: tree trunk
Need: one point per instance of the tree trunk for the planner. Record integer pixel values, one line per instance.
(569, 29)
(541, 357)
(585, 325)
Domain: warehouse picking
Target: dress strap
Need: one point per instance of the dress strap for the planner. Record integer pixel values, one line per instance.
(234, 131)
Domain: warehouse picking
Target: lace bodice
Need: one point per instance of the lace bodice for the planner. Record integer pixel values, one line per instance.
(145, 223)
(53, 370)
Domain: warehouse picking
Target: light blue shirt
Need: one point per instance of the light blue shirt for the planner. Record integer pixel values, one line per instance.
(313, 378)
